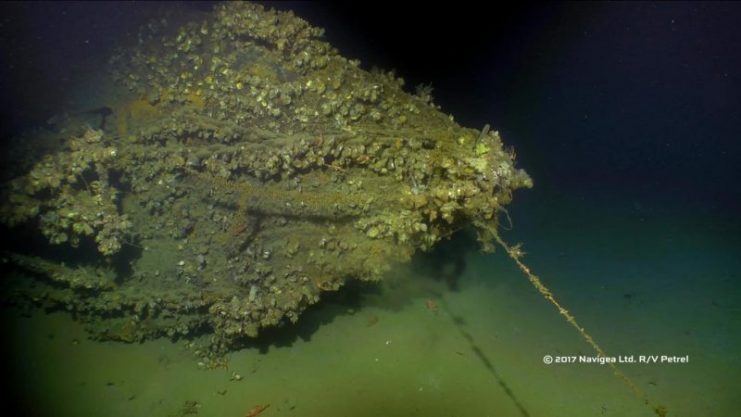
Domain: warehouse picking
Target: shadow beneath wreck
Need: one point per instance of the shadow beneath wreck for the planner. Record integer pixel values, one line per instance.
(348, 300)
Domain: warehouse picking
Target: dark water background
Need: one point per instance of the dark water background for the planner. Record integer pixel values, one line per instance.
(626, 115)
(634, 104)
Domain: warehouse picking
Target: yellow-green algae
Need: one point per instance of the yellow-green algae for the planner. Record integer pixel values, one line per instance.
(252, 168)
